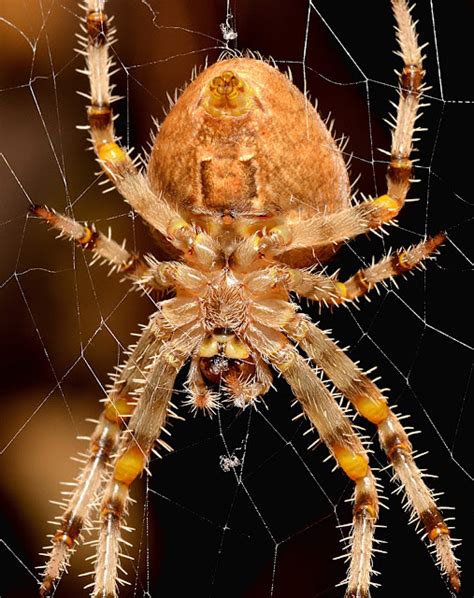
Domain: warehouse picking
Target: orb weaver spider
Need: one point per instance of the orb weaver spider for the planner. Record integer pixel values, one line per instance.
(245, 228)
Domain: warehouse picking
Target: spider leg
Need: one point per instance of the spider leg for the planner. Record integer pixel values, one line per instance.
(147, 274)
(400, 262)
(144, 429)
(104, 441)
(102, 246)
(336, 432)
(318, 287)
(326, 229)
(115, 161)
(329, 290)
(374, 213)
(372, 405)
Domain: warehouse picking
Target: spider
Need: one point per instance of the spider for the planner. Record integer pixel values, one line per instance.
(249, 194)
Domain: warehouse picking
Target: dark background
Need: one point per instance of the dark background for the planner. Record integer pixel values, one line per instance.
(64, 325)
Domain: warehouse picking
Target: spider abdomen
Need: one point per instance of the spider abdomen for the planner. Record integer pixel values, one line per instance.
(222, 153)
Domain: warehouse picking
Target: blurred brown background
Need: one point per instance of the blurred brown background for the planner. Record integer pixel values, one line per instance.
(65, 325)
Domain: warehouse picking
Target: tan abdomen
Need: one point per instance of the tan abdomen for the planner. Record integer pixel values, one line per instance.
(243, 140)
(225, 182)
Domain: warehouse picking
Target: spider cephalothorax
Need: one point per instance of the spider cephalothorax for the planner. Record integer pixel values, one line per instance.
(246, 187)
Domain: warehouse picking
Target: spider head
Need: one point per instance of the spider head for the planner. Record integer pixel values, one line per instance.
(225, 360)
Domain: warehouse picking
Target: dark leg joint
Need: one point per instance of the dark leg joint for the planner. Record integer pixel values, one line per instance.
(396, 448)
(434, 524)
(42, 212)
(112, 511)
(97, 28)
(72, 527)
(356, 594)
(411, 79)
(99, 117)
(399, 170)
(364, 510)
(361, 282)
(46, 588)
(101, 449)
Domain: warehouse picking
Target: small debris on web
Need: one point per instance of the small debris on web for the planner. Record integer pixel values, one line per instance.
(228, 462)
(228, 32)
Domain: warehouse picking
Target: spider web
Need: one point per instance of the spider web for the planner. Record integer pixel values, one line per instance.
(241, 507)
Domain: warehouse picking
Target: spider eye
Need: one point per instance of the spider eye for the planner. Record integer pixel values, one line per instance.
(228, 95)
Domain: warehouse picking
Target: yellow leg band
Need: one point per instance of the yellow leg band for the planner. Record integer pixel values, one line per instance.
(341, 289)
(111, 152)
(375, 410)
(354, 465)
(117, 409)
(129, 465)
(387, 202)
(87, 236)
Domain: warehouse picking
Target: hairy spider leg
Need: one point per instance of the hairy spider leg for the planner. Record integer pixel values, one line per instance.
(144, 429)
(104, 441)
(343, 442)
(369, 401)
(103, 247)
(398, 263)
(335, 430)
(326, 229)
(329, 290)
(115, 161)
(147, 273)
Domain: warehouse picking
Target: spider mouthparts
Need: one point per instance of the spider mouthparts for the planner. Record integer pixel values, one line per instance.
(219, 368)
(223, 355)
